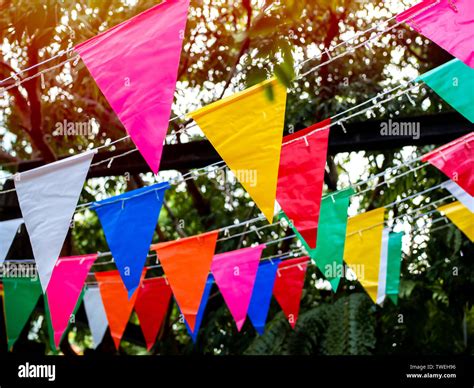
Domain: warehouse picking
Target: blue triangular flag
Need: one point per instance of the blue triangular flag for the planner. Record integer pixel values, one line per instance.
(202, 308)
(262, 295)
(129, 221)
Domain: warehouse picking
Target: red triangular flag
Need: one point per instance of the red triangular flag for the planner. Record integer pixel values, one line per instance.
(135, 65)
(301, 177)
(186, 263)
(289, 286)
(116, 303)
(456, 160)
(151, 306)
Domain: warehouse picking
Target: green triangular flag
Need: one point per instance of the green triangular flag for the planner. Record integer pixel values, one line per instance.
(394, 263)
(20, 298)
(329, 252)
(454, 83)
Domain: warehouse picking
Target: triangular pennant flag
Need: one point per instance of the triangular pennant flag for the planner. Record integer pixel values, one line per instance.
(394, 263)
(329, 252)
(383, 267)
(363, 248)
(246, 130)
(235, 273)
(64, 288)
(202, 309)
(118, 307)
(301, 177)
(288, 287)
(186, 263)
(151, 306)
(453, 82)
(463, 197)
(262, 295)
(95, 313)
(20, 298)
(135, 64)
(8, 230)
(456, 159)
(390, 263)
(460, 216)
(129, 221)
(448, 23)
(48, 197)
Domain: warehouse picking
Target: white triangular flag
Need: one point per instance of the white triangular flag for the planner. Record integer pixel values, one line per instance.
(8, 230)
(465, 198)
(383, 267)
(95, 313)
(48, 196)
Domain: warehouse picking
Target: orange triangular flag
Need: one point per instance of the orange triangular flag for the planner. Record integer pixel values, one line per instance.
(186, 263)
(116, 303)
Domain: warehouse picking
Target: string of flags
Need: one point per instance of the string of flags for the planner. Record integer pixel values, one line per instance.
(289, 170)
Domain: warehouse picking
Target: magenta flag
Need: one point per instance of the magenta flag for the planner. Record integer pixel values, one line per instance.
(448, 23)
(235, 273)
(64, 288)
(135, 64)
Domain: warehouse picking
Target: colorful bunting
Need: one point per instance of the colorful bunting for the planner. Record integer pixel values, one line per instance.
(235, 273)
(151, 306)
(65, 286)
(135, 64)
(363, 248)
(8, 231)
(246, 130)
(329, 252)
(48, 197)
(461, 217)
(202, 309)
(301, 178)
(390, 263)
(186, 263)
(262, 294)
(453, 82)
(289, 286)
(463, 197)
(129, 221)
(95, 312)
(448, 23)
(118, 307)
(394, 264)
(21, 296)
(456, 159)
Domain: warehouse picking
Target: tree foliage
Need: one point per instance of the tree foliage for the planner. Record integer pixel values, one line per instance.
(228, 46)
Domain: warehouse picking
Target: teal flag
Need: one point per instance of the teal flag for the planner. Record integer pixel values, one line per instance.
(394, 263)
(21, 296)
(454, 83)
(329, 252)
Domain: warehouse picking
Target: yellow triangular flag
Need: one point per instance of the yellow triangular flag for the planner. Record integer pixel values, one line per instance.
(460, 216)
(246, 129)
(363, 247)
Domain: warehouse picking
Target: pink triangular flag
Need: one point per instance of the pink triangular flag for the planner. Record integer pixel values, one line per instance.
(135, 65)
(448, 23)
(64, 288)
(235, 273)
